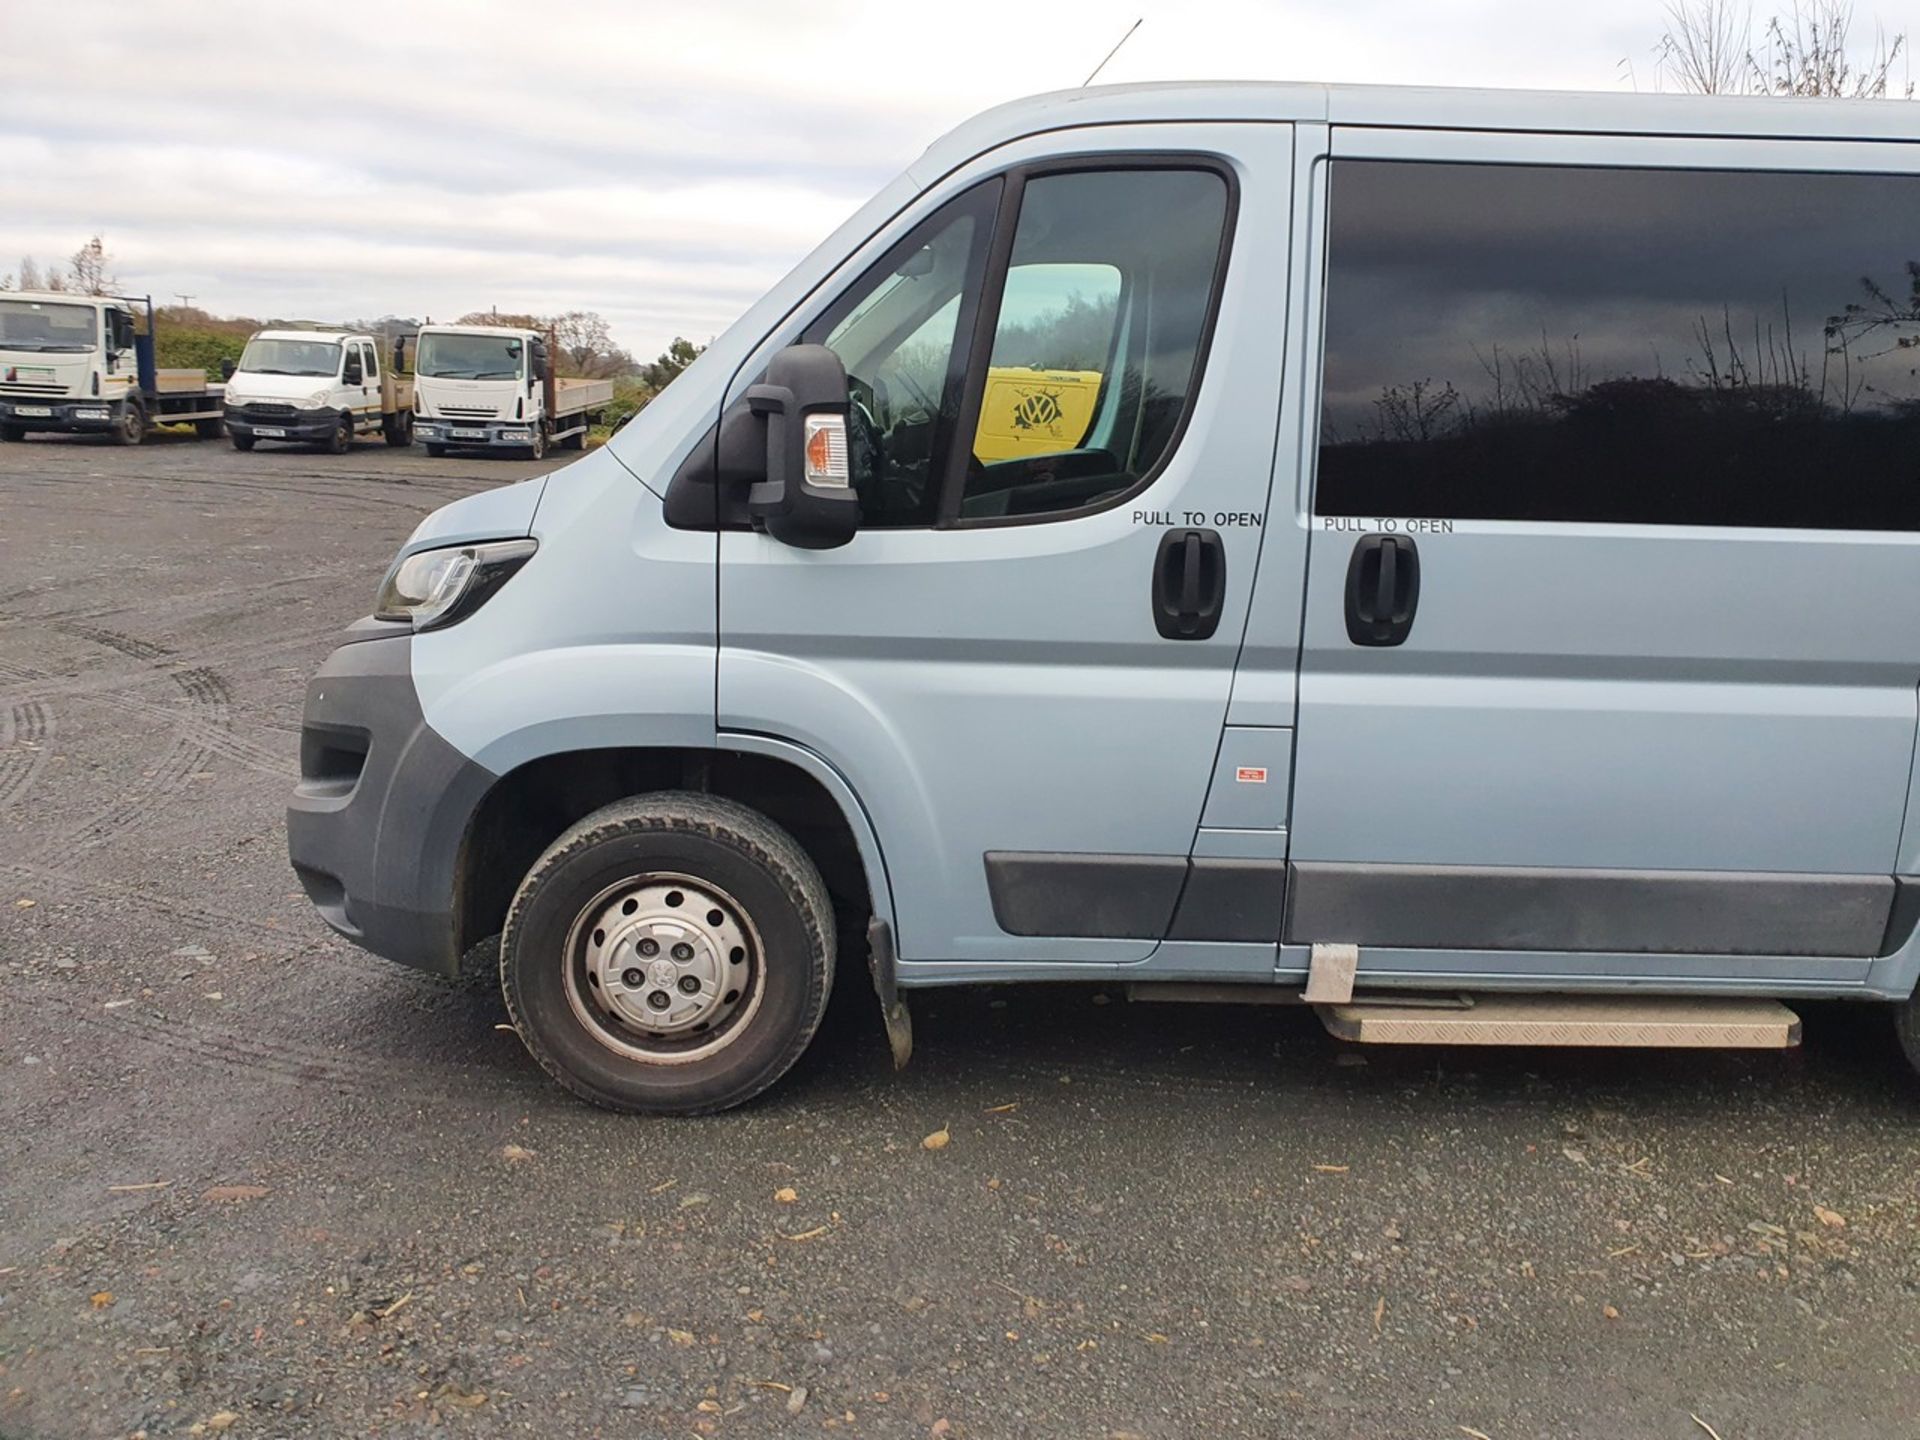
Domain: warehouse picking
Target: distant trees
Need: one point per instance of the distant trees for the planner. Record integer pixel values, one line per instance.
(91, 268)
(675, 358)
(89, 272)
(1710, 48)
(30, 277)
(585, 340)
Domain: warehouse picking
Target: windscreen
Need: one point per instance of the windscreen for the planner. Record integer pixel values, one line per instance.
(443, 356)
(43, 325)
(292, 357)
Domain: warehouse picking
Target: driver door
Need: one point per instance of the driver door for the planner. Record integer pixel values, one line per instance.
(1065, 375)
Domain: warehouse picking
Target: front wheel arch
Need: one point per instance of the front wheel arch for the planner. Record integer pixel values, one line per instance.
(529, 807)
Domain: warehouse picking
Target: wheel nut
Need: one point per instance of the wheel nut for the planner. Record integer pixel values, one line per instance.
(683, 952)
(689, 984)
(631, 978)
(649, 947)
(658, 1000)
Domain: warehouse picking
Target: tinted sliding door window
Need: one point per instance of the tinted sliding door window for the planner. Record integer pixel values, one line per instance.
(1620, 345)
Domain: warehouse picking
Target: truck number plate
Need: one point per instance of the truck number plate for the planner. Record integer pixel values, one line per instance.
(270, 432)
(41, 411)
(460, 434)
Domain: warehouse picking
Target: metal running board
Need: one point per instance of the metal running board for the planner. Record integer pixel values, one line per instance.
(1655, 1022)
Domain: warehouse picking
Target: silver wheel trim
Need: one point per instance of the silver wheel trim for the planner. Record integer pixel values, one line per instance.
(605, 954)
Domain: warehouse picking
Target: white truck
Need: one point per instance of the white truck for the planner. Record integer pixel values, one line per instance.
(318, 387)
(493, 388)
(78, 364)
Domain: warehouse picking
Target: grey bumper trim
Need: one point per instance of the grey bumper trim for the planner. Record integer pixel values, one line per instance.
(376, 825)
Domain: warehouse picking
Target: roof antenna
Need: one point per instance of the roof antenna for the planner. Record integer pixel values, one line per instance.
(1111, 53)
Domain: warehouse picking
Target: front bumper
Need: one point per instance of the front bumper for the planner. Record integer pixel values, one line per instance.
(67, 415)
(376, 825)
(474, 434)
(259, 423)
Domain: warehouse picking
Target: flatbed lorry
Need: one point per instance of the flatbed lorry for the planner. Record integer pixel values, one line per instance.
(492, 387)
(318, 387)
(80, 364)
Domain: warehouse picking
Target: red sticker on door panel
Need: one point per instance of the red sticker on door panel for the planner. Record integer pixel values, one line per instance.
(1251, 774)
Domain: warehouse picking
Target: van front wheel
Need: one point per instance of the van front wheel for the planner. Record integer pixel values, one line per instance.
(1906, 1025)
(670, 954)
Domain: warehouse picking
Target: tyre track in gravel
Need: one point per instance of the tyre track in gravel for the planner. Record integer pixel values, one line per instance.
(425, 994)
(273, 1057)
(26, 729)
(189, 605)
(272, 941)
(335, 492)
(208, 716)
(287, 645)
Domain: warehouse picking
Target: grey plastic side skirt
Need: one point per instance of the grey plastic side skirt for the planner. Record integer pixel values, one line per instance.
(1137, 897)
(1098, 897)
(1461, 908)
(1621, 911)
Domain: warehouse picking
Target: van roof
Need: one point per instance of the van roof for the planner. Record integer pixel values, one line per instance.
(1422, 107)
(315, 334)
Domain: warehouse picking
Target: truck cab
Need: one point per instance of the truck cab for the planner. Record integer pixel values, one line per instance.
(1384, 549)
(317, 387)
(490, 387)
(80, 364)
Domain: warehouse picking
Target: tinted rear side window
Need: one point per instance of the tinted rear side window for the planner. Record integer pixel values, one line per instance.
(1618, 345)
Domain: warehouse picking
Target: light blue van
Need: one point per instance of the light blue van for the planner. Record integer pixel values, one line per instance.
(1481, 599)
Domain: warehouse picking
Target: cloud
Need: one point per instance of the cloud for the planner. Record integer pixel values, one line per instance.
(662, 164)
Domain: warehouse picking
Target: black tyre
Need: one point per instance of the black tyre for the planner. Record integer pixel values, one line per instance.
(398, 429)
(341, 440)
(1906, 1025)
(670, 954)
(210, 429)
(435, 451)
(538, 449)
(13, 432)
(131, 428)
(242, 442)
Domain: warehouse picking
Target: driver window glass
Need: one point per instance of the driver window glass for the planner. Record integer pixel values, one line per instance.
(900, 331)
(1097, 341)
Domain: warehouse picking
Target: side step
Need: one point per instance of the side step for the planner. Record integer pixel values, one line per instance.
(1675, 1022)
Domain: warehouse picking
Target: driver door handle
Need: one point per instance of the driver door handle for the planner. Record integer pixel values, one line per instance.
(1189, 584)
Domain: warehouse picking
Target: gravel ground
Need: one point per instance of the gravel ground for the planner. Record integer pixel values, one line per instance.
(257, 1183)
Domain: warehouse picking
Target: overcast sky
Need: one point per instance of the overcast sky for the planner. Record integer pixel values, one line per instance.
(660, 163)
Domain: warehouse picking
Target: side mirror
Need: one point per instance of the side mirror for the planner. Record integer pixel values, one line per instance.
(226, 369)
(353, 375)
(399, 353)
(807, 499)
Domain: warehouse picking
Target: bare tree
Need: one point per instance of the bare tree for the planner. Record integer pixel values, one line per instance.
(30, 274)
(92, 269)
(1810, 52)
(1709, 48)
(587, 346)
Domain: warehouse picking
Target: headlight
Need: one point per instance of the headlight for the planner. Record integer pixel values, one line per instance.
(319, 398)
(438, 587)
